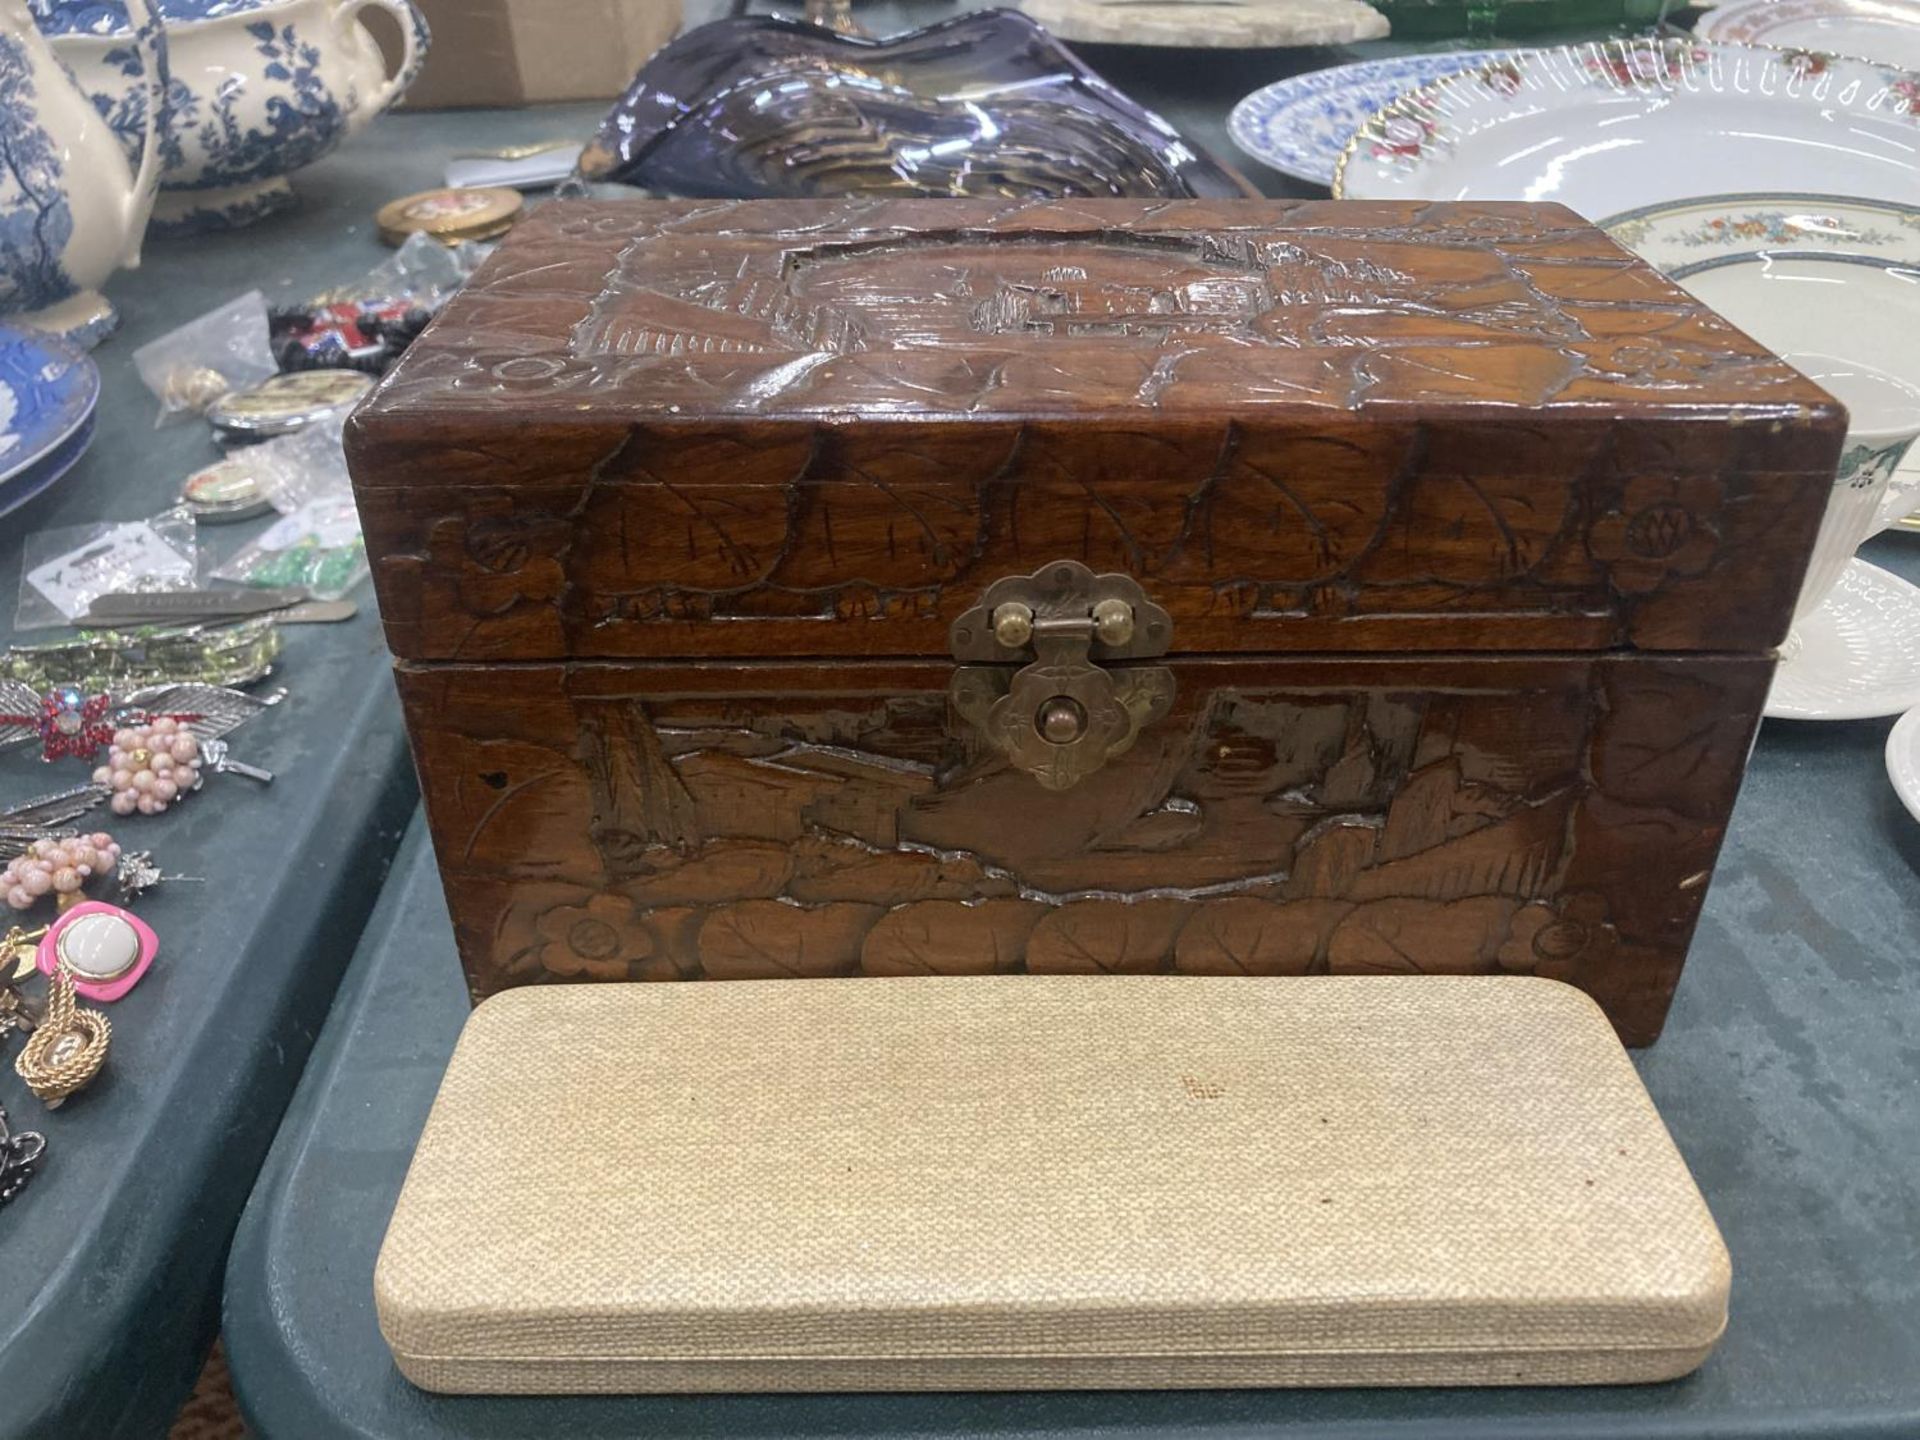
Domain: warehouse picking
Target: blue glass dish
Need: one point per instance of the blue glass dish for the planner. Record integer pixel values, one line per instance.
(986, 104)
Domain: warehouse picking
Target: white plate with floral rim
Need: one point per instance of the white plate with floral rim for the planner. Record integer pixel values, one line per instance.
(1300, 125)
(1799, 273)
(1887, 31)
(1614, 125)
(1683, 232)
(1903, 761)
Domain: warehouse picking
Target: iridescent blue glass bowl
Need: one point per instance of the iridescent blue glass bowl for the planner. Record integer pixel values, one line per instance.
(984, 104)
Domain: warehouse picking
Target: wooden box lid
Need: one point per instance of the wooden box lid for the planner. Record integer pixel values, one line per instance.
(1037, 1182)
(1302, 426)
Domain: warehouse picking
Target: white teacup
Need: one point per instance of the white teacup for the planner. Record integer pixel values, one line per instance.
(1883, 423)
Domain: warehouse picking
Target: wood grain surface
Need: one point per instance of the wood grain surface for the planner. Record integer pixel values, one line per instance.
(1305, 426)
(1474, 535)
(1554, 816)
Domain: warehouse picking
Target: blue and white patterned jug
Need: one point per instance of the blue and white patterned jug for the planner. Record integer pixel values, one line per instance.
(72, 210)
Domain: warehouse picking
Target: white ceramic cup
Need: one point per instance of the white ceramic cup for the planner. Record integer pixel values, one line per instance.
(1883, 423)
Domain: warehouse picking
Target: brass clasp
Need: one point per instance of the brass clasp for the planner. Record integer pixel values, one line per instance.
(1065, 713)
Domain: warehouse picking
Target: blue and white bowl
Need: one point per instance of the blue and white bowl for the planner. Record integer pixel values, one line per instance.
(1300, 125)
(259, 88)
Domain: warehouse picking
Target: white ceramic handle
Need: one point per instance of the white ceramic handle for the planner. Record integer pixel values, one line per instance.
(413, 50)
(150, 37)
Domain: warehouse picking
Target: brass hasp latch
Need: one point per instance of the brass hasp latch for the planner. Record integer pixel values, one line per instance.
(1077, 702)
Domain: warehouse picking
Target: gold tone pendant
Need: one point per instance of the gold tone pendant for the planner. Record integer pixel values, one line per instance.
(67, 1048)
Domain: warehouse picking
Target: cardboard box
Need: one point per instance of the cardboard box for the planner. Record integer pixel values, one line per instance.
(528, 52)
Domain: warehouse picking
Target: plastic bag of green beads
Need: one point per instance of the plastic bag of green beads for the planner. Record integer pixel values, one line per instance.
(317, 545)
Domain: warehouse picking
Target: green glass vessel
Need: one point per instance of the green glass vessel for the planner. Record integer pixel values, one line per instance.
(1485, 20)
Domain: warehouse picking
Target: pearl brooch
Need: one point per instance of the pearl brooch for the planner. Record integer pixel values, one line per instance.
(149, 766)
(58, 867)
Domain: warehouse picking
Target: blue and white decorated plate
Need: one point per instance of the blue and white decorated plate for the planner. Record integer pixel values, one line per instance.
(50, 467)
(1300, 125)
(48, 389)
(109, 17)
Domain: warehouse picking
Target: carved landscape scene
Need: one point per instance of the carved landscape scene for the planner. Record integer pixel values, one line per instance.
(1551, 817)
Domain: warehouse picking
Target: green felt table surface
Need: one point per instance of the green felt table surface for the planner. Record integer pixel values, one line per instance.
(110, 1259)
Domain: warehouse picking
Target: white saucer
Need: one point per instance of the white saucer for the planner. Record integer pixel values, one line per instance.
(1903, 761)
(1858, 655)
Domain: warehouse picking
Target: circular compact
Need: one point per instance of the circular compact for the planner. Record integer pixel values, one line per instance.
(226, 490)
(478, 212)
(286, 403)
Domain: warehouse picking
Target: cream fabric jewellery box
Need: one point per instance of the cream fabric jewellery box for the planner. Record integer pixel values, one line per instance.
(1035, 1182)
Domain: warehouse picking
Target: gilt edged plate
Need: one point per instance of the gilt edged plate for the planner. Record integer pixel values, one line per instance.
(1800, 273)
(1300, 125)
(1615, 125)
(1884, 30)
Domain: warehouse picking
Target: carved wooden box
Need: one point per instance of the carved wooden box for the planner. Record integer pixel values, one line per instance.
(826, 588)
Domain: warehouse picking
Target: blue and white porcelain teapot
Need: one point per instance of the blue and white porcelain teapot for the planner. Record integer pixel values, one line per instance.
(259, 89)
(72, 209)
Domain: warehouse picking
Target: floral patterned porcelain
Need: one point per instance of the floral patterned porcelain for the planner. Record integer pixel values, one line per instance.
(1300, 125)
(1799, 273)
(47, 390)
(1686, 231)
(109, 17)
(1887, 31)
(1610, 126)
(72, 209)
(1854, 650)
(259, 88)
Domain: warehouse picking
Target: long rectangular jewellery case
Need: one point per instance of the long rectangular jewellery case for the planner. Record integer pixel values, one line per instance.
(882, 588)
(1046, 1182)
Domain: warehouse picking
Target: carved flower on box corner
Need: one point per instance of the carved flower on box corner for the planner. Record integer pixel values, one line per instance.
(600, 939)
(503, 376)
(1555, 939)
(1658, 529)
(497, 562)
(1655, 365)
